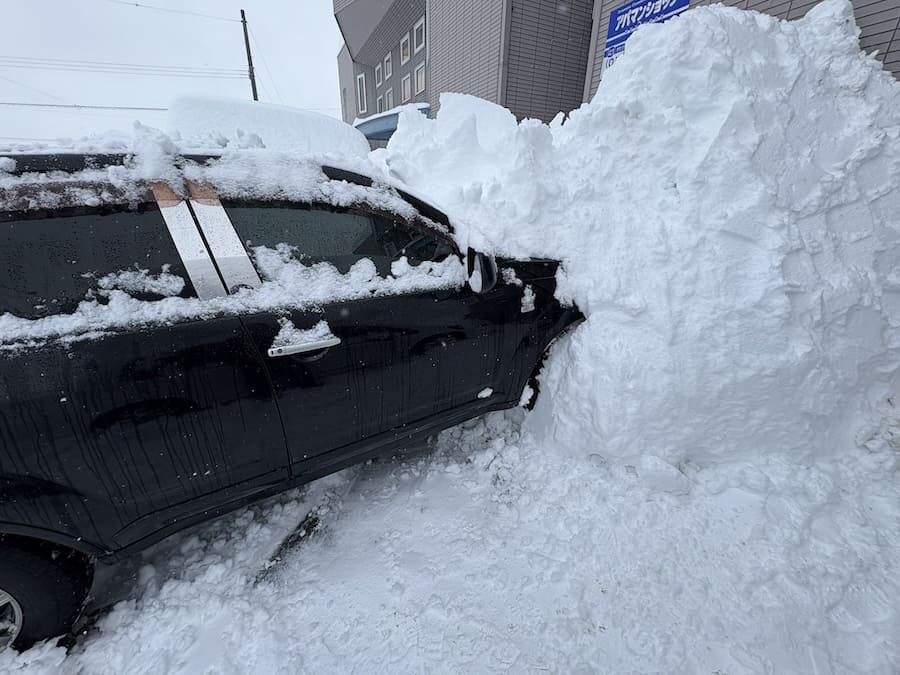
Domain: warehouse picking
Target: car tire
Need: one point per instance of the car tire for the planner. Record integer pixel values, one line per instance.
(46, 587)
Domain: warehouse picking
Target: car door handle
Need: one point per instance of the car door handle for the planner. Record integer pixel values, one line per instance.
(287, 350)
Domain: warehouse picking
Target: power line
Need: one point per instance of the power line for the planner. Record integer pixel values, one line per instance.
(30, 88)
(266, 66)
(172, 11)
(121, 71)
(75, 106)
(34, 60)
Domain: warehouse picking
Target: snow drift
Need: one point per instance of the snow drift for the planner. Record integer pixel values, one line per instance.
(728, 212)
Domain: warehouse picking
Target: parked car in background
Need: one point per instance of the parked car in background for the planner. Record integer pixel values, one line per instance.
(175, 348)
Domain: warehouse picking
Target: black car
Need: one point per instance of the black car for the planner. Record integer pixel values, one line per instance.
(179, 340)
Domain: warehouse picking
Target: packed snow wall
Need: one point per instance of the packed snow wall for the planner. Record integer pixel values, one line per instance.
(727, 209)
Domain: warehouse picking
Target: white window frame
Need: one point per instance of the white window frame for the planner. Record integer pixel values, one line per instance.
(378, 79)
(379, 104)
(388, 66)
(405, 39)
(406, 88)
(420, 68)
(419, 24)
(361, 93)
(389, 99)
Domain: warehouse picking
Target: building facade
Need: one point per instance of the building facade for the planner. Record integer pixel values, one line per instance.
(383, 61)
(535, 57)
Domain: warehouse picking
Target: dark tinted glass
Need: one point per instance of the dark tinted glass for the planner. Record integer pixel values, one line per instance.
(51, 260)
(328, 235)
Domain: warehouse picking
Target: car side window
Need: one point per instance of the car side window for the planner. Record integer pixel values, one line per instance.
(340, 237)
(55, 258)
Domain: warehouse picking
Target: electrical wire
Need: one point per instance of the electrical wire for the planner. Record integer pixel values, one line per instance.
(121, 71)
(76, 106)
(265, 65)
(34, 89)
(172, 11)
(35, 61)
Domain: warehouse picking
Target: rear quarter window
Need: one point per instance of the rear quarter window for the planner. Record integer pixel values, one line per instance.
(53, 259)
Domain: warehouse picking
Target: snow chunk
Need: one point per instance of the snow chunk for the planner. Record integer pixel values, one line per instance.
(487, 392)
(528, 300)
(290, 335)
(141, 281)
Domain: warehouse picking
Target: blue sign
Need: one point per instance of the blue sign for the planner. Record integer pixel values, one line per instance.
(625, 20)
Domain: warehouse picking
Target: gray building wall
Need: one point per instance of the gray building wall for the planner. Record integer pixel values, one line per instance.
(347, 84)
(879, 21)
(464, 48)
(547, 56)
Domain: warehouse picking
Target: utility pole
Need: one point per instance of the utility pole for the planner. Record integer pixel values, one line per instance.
(249, 57)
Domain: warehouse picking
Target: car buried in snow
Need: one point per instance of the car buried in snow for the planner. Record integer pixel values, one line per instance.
(175, 348)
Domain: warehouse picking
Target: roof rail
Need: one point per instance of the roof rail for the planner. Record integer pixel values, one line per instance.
(62, 161)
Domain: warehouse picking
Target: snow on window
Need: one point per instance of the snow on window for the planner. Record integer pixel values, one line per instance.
(288, 285)
(141, 281)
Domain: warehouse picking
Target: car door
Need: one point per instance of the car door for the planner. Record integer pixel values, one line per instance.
(396, 357)
(114, 432)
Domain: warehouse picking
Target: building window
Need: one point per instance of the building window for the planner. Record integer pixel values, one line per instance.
(389, 99)
(388, 67)
(379, 104)
(361, 92)
(419, 35)
(405, 93)
(420, 78)
(404, 50)
(378, 75)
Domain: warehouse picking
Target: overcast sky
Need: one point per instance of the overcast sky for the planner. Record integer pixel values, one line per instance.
(295, 45)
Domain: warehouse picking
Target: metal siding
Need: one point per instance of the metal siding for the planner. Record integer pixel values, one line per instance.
(384, 38)
(549, 43)
(386, 35)
(346, 78)
(464, 48)
(879, 22)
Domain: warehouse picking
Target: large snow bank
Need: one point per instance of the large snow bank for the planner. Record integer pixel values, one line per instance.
(728, 212)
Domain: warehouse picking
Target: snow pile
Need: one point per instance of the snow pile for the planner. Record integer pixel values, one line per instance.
(199, 122)
(728, 213)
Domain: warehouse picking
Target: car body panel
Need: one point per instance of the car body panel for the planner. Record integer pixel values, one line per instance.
(114, 442)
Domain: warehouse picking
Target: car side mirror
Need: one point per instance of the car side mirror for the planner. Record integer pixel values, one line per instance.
(482, 271)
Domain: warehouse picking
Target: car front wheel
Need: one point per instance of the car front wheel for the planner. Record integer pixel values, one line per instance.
(41, 594)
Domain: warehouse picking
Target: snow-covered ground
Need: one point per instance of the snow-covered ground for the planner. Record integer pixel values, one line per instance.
(711, 480)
